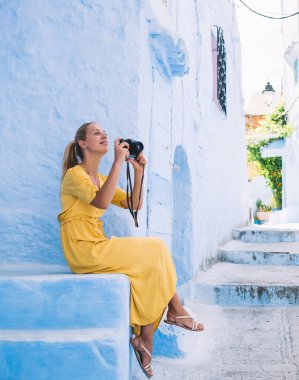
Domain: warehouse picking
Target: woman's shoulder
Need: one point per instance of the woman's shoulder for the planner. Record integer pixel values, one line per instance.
(76, 170)
(74, 173)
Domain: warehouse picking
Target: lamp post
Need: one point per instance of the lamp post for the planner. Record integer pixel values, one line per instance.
(268, 94)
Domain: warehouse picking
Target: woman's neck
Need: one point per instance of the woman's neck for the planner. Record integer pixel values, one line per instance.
(91, 164)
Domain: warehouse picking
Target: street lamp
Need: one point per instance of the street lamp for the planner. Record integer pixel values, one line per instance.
(268, 94)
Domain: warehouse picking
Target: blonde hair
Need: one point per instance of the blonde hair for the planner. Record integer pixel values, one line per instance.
(73, 153)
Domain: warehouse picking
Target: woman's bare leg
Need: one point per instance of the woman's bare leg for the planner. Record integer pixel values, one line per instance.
(175, 308)
(146, 334)
(175, 304)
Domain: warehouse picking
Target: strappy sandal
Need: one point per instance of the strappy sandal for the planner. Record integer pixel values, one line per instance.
(146, 369)
(179, 324)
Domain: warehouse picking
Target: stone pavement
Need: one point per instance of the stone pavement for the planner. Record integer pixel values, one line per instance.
(239, 343)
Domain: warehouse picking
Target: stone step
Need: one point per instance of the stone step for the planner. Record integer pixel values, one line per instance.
(267, 233)
(239, 252)
(238, 284)
(59, 325)
(40, 297)
(93, 354)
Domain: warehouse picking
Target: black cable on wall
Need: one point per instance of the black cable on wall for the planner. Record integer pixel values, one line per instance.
(263, 15)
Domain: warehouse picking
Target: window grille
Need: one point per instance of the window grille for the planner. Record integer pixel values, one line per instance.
(219, 68)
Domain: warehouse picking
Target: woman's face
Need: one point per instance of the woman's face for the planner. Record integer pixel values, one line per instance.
(96, 139)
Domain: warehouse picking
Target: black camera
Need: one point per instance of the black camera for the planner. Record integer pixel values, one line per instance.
(135, 147)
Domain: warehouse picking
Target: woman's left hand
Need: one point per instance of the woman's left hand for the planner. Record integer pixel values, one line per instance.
(139, 163)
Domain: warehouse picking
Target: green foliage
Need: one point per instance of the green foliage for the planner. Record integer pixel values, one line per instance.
(258, 203)
(260, 206)
(274, 128)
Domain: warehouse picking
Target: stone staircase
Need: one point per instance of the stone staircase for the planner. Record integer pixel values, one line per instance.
(259, 267)
(249, 302)
(57, 325)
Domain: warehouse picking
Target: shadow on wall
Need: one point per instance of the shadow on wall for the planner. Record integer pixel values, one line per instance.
(182, 216)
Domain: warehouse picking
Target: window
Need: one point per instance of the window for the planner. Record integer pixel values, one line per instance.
(219, 67)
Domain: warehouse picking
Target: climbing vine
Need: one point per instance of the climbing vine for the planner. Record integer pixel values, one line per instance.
(274, 128)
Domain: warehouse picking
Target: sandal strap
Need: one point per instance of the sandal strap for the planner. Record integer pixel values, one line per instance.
(146, 351)
(142, 346)
(184, 316)
(194, 323)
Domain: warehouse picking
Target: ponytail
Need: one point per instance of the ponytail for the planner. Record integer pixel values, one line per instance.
(73, 153)
(69, 158)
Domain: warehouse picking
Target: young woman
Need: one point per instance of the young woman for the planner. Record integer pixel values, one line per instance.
(85, 195)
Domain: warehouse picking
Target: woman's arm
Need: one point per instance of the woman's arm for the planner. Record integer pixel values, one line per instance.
(139, 166)
(104, 196)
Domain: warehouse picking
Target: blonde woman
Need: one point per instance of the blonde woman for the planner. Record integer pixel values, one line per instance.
(85, 195)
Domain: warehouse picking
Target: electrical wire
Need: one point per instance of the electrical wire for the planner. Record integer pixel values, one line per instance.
(261, 14)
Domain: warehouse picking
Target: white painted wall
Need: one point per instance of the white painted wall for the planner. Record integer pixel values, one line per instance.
(290, 30)
(184, 115)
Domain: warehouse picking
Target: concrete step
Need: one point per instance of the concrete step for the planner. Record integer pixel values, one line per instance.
(59, 325)
(93, 354)
(239, 343)
(238, 284)
(267, 233)
(236, 251)
(40, 297)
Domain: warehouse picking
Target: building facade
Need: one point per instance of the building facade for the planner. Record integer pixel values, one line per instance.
(166, 73)
(290, 150)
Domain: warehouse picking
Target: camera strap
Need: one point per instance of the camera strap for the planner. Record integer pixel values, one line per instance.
(129, 197)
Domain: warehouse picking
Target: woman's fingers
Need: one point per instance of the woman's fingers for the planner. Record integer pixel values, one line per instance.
(141, 160)
(119, 144)
(116, 141)
(121, 150)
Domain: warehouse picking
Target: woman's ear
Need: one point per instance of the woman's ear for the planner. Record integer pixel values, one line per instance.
(82, 144)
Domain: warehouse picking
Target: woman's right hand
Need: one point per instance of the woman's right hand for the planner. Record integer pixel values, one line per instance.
(121, 151)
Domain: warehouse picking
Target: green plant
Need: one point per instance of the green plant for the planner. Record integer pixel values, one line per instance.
(260, 206)
(258, 203)
(264, 208)
(274, 128)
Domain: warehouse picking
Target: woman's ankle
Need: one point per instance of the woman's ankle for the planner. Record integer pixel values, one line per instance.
(175, 310)
(147, 341)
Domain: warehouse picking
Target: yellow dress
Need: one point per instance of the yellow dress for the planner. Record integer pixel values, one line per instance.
(146, 261)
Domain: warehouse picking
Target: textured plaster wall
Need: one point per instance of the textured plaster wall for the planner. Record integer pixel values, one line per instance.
(144, 71)
(62, 64)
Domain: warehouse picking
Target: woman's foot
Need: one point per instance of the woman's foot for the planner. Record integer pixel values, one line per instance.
(183, 319)
(143, 351)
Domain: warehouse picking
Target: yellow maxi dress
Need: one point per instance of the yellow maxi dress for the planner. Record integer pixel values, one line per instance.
(146, 261)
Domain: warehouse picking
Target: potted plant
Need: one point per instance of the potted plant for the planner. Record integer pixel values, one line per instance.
(263, 211)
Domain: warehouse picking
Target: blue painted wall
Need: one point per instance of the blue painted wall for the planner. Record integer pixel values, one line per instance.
(182, 249)
(141, 70)
(61, 64)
